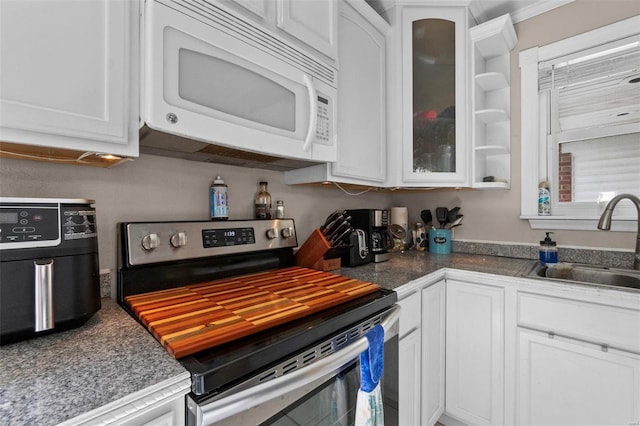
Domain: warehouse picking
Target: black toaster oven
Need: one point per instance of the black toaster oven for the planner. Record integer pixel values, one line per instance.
(49, 274)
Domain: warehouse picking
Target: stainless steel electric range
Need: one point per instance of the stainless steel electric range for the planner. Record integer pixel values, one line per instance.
(265, 341)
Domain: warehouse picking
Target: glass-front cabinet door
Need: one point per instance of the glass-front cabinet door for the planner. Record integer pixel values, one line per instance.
(435, 118)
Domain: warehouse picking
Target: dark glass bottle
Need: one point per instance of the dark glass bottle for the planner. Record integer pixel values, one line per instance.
(263, 203)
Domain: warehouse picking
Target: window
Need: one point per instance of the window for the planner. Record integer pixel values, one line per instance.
(583, 134)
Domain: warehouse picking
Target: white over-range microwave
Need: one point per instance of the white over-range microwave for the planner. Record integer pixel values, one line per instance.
(216, 78)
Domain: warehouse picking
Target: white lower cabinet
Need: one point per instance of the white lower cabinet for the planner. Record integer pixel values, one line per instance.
(409, 379)
(475, 353)
(578, 357)
(433, 353)
(162, 404)
(569, 382)
(409, 363)
(494, 350)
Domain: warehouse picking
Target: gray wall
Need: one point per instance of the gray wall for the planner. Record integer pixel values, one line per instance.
(157, 188)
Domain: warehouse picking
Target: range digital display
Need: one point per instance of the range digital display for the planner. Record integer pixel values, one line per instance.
(227, 237)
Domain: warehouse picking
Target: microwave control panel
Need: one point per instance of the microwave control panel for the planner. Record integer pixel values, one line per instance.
(323, 121)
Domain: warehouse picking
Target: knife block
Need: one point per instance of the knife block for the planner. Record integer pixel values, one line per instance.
(312, 250)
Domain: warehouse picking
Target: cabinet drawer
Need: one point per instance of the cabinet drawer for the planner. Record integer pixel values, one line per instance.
(409, 314)
(593, 322)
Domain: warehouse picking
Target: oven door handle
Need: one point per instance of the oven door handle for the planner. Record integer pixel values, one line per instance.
(322, 369)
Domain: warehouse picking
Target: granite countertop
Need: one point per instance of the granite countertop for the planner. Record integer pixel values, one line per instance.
(406, 266)
(53, 378)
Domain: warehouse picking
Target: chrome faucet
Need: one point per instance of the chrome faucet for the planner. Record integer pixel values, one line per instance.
(605, 222)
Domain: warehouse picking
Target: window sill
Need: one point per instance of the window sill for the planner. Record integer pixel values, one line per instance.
(577, 223)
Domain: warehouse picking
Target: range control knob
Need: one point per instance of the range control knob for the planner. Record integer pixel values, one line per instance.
(179, 239)
(286, 232)
(272, 233)
(150, 241)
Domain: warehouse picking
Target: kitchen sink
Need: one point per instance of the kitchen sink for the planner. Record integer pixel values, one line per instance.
(591, 274)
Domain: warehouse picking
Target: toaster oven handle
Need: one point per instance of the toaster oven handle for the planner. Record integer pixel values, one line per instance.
(309, 376)
(44, 294)
(313, 113)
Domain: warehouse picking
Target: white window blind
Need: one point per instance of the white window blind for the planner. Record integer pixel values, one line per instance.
(594, 115)
(604, 165)
(595, 88)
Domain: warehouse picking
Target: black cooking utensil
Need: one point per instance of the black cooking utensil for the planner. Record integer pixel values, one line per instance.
(426, 217)
(453, 213)
(442, 214)
(456, 222)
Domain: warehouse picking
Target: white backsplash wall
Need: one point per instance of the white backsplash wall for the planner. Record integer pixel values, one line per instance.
(155, 188)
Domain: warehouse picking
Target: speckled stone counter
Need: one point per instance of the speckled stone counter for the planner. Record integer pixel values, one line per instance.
(50, 379)
(409, 265)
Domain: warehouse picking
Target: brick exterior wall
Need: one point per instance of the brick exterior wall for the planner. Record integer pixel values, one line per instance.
(565, 162)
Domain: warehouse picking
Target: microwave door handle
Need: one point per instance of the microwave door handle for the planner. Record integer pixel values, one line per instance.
(316, 372)
(313, 113)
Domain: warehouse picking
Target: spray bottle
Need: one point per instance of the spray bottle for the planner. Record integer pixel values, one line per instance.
(218, 199)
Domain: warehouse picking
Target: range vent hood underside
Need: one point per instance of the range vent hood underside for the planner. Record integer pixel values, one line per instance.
(166, 145)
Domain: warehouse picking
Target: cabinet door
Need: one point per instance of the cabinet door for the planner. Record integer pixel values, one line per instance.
(313, 22)
(258, 7)
(68, 74)
(434, 80)
(475, 353)
(361, 98)
(433, 353)
(568, 382)
(409, 379)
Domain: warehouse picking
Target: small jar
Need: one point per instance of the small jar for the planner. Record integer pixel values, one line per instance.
(279, 209)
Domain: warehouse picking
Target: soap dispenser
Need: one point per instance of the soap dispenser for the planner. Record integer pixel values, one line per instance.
(548, 250)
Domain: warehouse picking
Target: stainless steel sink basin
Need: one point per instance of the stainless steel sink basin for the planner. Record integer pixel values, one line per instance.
(573, 272)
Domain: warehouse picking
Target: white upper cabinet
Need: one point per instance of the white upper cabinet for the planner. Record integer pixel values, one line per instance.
(258, 7)
(312, 22)
(361, 101)
(491, 44)
(428, 97)
(315, 22)
(69, 75)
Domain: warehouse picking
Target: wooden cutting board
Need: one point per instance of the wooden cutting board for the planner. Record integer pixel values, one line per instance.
(192, 318)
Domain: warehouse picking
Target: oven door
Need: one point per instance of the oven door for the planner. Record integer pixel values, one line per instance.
(323, 392)
(205, 80)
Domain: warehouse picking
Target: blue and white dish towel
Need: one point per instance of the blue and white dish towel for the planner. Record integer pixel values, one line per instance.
(369, 401)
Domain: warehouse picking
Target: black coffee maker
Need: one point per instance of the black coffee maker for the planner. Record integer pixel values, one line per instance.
(375, 224)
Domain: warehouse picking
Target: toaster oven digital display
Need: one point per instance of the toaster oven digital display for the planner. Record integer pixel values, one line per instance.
(8, 217)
